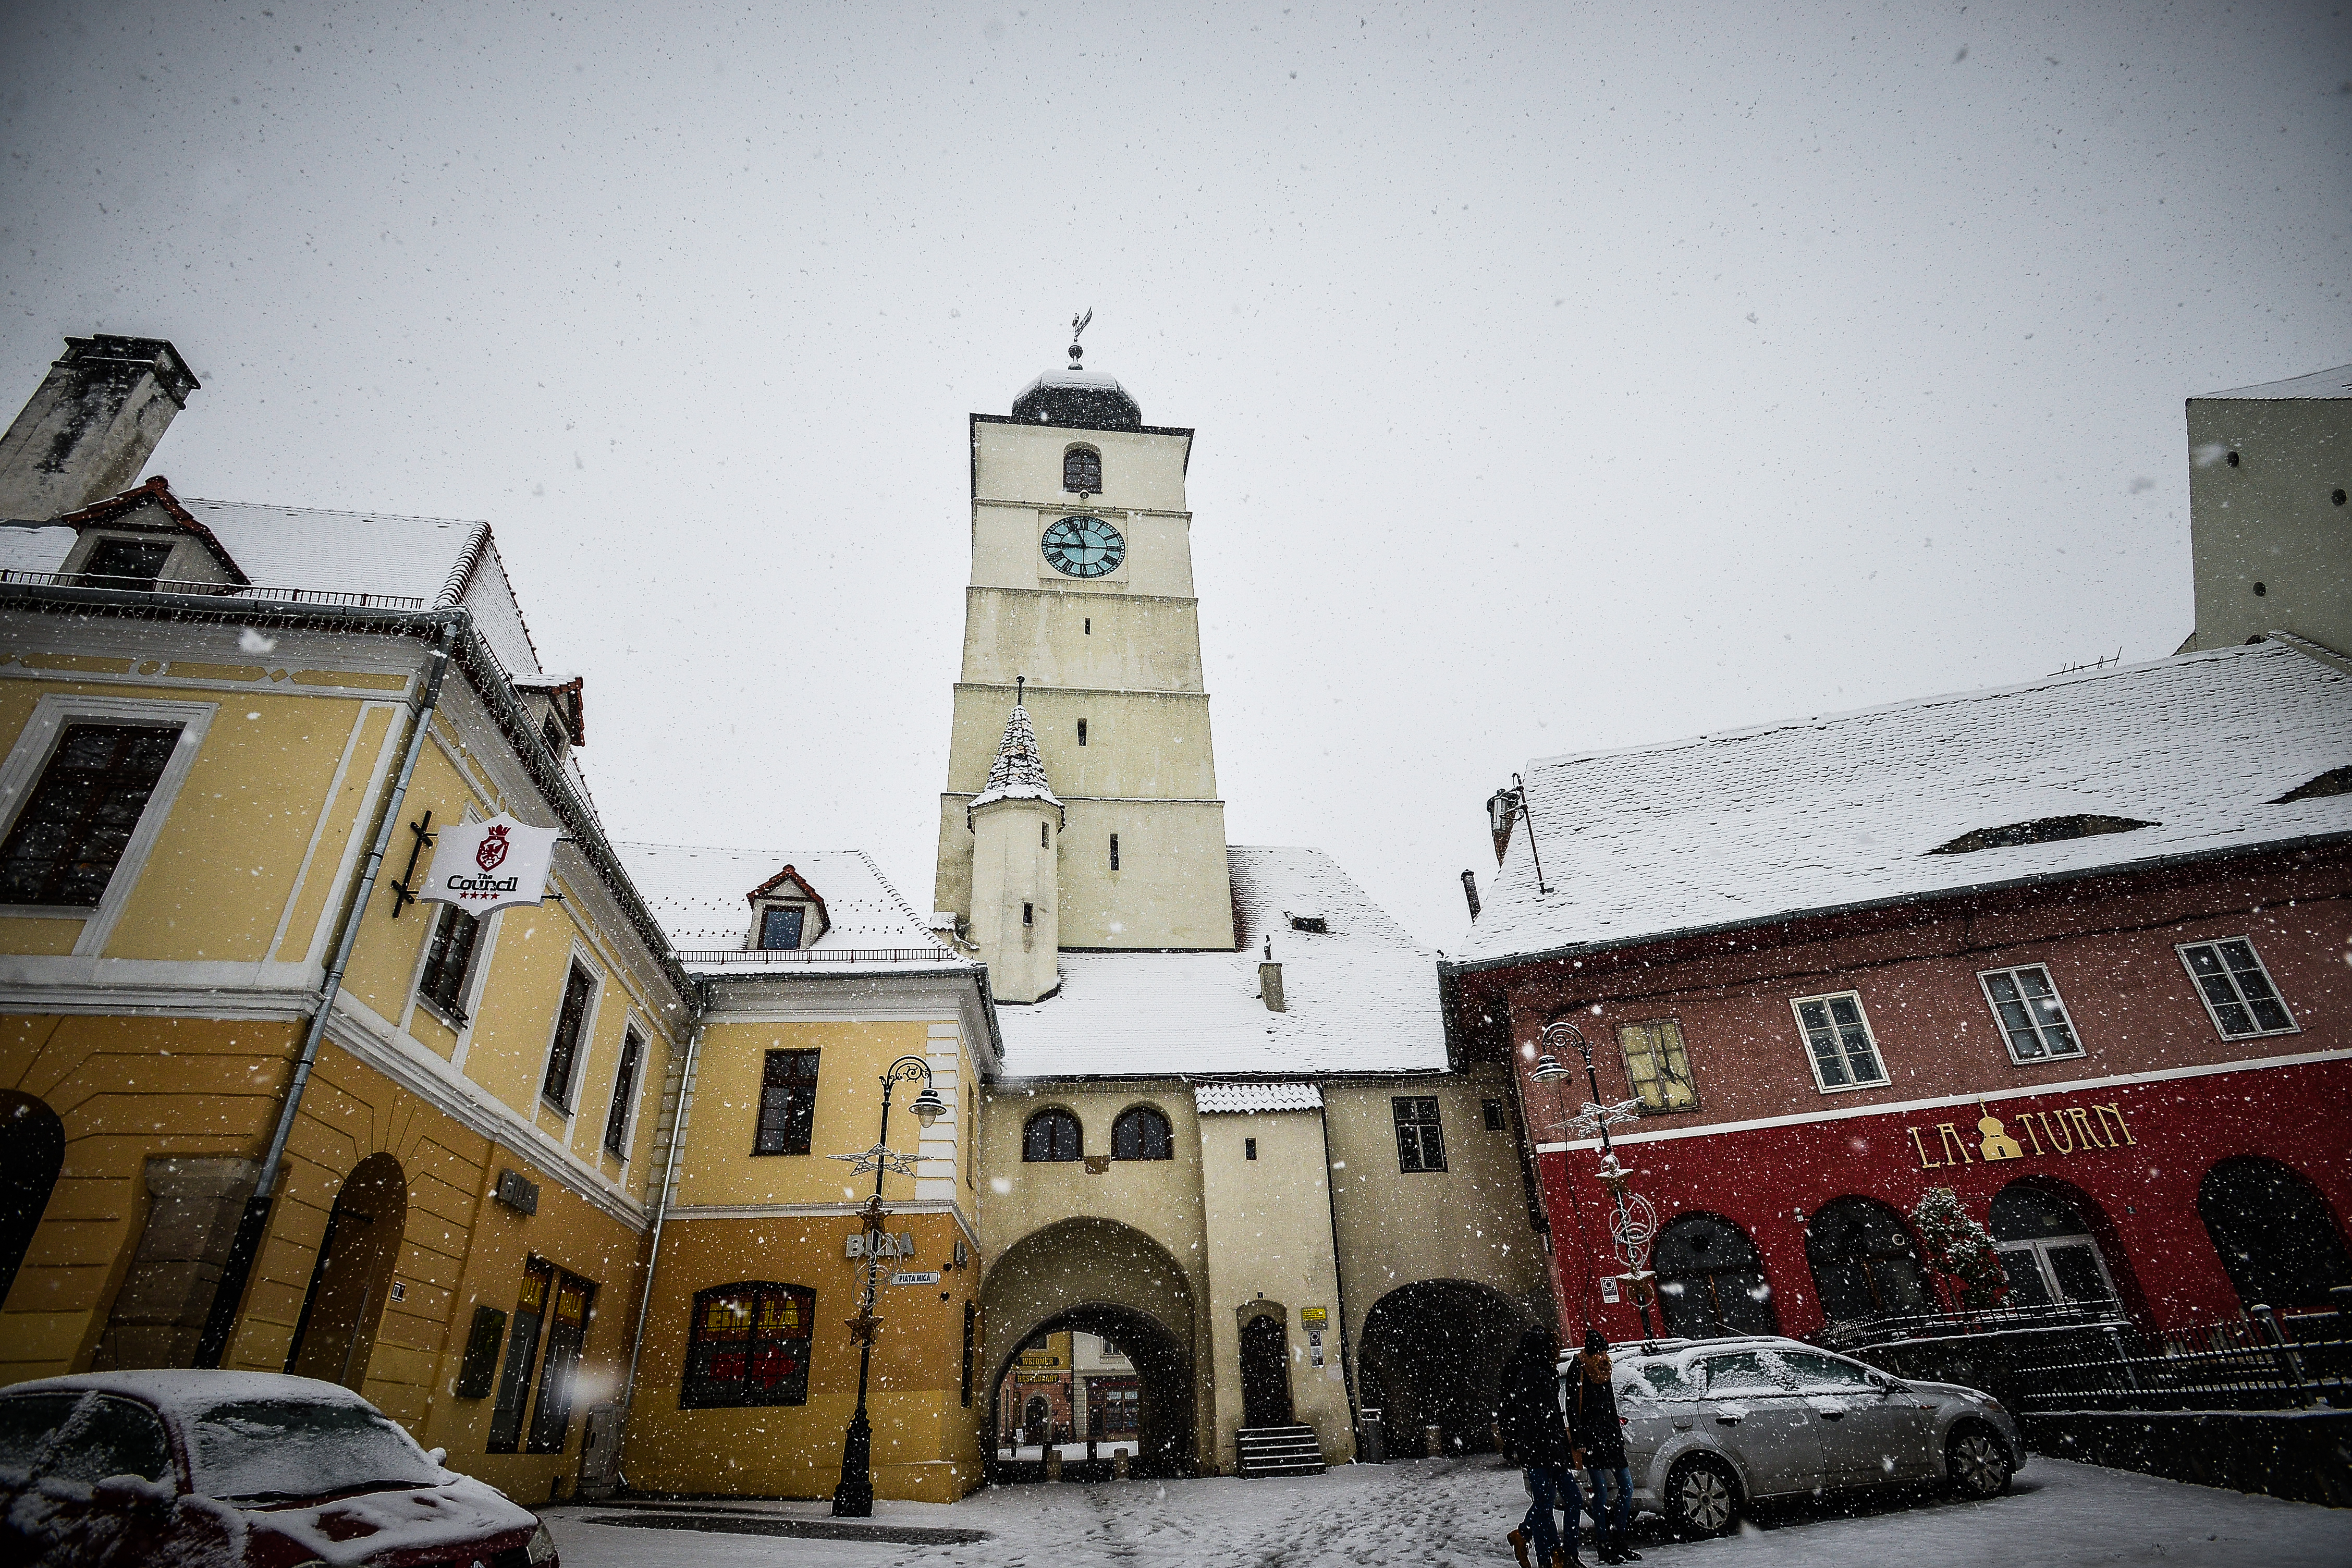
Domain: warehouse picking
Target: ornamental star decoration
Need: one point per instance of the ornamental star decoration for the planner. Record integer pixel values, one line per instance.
(881, 1154)
(1589, 1121)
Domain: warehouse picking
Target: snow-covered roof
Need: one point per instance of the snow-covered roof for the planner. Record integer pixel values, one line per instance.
(35, 546)
(1018, 772)
(702, 898)
(1732, 829)
(1361, 996)
(2337, 383)
(1244, 1098)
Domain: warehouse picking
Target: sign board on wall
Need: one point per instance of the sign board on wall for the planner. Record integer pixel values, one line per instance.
(2069, 1129)
(1609, 1291)
(1314, 1317)
(485, 866)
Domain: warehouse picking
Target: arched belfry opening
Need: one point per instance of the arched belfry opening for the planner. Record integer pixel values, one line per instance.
(1433, 1354)
(1097, 1278)
(353, 1277)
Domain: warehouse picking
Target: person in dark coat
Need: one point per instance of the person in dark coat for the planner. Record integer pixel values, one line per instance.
(1535, 1438)
(1599, 1440)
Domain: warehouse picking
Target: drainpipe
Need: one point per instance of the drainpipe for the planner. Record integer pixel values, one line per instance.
(661, 1212)
(247, 1246)
(1339, 1286)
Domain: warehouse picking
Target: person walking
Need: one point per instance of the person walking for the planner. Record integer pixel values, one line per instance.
(1535, 1438)
(1598, 1439)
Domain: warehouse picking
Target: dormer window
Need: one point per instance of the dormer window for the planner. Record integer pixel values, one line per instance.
(551, 736)
(132, 565)
(781, 926)
(1082, 471)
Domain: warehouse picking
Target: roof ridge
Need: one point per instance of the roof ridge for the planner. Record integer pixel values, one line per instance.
(336, 512)
(461, 574)
(898, 899)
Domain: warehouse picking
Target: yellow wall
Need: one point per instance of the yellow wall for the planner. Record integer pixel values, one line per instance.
(719, 1167)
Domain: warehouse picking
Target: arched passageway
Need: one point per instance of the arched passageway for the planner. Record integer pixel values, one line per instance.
(1100, 1277)
(1865, 1262)
(1711, 1281)
(32, 1151)
(1433, 1354)
(353, 1277)
(2277, 1237)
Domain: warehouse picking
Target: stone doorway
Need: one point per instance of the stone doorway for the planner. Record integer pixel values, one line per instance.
(1265, 1372)
(353, 1277)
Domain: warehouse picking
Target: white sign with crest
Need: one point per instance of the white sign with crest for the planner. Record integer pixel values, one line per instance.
(485, 866)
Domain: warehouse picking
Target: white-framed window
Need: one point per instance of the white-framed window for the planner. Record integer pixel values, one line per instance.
(84, 793)
(446, 974)
(2032, 1015)
(783, 927)
(621, 1115)
(567, 1048)
(1838, 1041)
(2236, 989)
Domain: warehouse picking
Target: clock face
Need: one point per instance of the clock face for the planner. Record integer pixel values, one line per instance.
(1083, 547)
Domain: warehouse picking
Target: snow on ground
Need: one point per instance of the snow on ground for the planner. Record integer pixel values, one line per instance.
(1455, 1512)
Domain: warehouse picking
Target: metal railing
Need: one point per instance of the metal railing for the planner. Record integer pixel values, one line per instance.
(212, 590)
(2256, 1363)
(1860, 1333)
(697, 957)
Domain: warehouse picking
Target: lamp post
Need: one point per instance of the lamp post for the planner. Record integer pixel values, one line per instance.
(1636, 1223)
(854, 1498)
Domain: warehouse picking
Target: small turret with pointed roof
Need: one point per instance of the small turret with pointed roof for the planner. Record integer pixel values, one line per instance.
(1018, 772)
(1016, 826)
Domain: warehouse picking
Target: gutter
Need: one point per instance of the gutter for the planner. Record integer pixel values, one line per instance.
(1457, 968)
(245, 1246)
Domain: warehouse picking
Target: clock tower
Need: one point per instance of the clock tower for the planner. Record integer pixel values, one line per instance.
(1080, 612)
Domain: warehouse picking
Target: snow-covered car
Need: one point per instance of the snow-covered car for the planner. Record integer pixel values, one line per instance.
(236, 1469)
(1712, 1424)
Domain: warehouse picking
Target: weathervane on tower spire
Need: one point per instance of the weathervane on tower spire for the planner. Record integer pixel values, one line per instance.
(1078, 325)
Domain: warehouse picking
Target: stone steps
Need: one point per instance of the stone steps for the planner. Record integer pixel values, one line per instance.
(1279, 1451)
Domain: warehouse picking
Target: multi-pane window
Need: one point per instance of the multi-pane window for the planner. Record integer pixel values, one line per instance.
(2031, 1017)
(1142, 1133)
(1420, 1146)
(779, 927)
(624, 1095)
(1837, 1037)
(1656, 1066)
(787, 1103)
(1082, 471)
(2237, 989)
(447, 954)
(1052, 1136)
(571, 1032)
(748, 1346)
(1497, 1119)
(128, 563)
(74, 828)
(551, 736)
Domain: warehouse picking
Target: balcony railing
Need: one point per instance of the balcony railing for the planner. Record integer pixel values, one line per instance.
(211, 590)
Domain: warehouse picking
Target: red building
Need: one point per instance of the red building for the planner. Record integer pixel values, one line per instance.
(2079, 952)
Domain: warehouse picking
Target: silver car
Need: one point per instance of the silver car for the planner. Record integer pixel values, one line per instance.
(1712, 1424)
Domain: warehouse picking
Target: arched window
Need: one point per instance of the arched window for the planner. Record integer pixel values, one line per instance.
(1142, 1134)
(1082, 471)
(2274, 1232)
(2047, 1248)
(748, 1346)
(32, 1151)
(1052, 1135)
(1710, 1281)
(1864, 1263)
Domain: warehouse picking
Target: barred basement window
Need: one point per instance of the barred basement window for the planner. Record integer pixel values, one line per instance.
(79, 819)
(448, 954)
(624, 1096)
(1420, 1146)
(2026, 1003)
(1082, 471)
(787, 1103)
(1657, 1065)
(571, 1030)
(2236, 988)
(749, 1346)
(1837, 1035)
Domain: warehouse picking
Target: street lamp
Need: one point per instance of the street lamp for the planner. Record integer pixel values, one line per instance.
(1636, 1223)
(854, 1498)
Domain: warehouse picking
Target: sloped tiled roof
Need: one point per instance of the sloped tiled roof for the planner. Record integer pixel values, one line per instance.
(700, 897)
(1814, 814)
(1361, 996)
(1244, 1098)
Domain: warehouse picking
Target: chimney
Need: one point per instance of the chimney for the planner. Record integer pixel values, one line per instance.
(1269, 982)
(92, 427)
(1470, 891)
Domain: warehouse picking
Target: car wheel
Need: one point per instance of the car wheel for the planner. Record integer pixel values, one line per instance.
(1702, 1498)
(1976, 1463)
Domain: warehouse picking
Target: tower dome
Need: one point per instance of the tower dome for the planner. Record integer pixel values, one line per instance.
(1078, 397)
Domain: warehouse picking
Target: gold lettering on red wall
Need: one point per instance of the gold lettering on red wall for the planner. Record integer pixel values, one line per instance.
(2069, 1129)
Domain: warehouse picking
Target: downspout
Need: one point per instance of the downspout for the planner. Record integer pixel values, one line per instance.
(247, 1246)
(1339, 1284)
(661, 1212)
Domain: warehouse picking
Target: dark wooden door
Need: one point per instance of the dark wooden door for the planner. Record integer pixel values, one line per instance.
(1266, 1373)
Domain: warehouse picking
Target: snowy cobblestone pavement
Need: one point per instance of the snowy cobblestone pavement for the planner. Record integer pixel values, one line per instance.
(1448, 1512)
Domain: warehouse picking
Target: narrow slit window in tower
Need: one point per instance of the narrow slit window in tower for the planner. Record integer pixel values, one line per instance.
(1028, 914)
(1082, 731)
(1043, 842)
(1114, 851)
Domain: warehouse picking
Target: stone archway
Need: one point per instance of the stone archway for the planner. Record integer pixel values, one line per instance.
(1100, 1277)
(352, 1277)
(1432, 1355)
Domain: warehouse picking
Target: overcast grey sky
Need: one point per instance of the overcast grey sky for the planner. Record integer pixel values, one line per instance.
(1565, 376)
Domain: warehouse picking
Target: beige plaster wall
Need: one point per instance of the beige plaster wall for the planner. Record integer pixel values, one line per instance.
(1024, 462)
(1086, 640)
(1013, 856)
(1139, 744)
(2271, 518)
(1172, 888)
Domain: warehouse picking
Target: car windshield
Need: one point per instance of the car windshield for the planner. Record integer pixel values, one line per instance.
(261, 1449)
